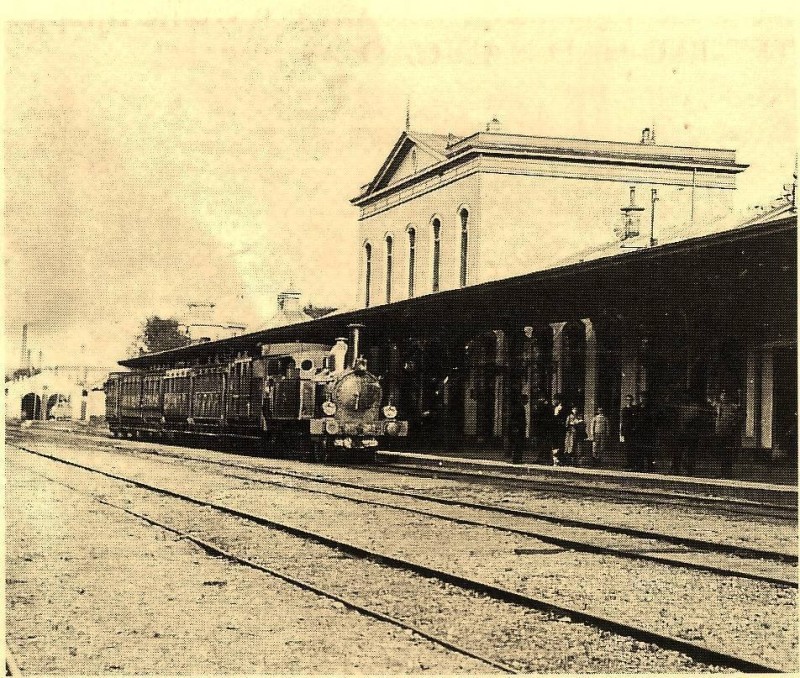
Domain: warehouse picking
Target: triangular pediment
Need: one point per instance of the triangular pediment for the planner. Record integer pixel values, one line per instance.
(413, 152)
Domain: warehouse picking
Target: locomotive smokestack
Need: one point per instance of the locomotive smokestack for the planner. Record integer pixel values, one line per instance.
(355, 342)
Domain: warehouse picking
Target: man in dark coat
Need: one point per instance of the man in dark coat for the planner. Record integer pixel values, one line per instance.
(727, 433)
(645, 434)
(541, 430)
(518, 424)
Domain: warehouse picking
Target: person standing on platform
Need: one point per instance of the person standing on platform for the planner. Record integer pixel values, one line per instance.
(645, 434)
(540, 430)
(627, 432)
(517, 425)
(727, 435)
(558, 429)
(575, 434)
(691, 424)
(599, 432)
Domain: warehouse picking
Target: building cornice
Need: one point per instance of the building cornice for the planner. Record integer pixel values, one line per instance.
(576, 151)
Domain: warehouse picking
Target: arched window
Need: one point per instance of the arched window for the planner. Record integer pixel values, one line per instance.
(412, 260)
(367, 272)
(437, 229)
(388, 269)
(464, 238)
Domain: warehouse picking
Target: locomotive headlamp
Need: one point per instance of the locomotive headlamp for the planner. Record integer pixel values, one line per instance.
(392, 428)
(329, 408)
(390, 411)
(331, 427)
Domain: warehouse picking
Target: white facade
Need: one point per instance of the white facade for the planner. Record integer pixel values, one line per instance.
(61, 392)
(526, 202)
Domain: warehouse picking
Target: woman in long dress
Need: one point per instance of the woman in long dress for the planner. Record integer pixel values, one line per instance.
(575, 431)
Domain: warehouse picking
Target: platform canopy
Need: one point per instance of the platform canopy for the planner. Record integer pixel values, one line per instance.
(742, 277)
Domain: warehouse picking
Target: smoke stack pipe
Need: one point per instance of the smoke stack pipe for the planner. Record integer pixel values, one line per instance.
(355, 341)
(24, 358)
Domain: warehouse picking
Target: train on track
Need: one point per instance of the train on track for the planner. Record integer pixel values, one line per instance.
(312, 400)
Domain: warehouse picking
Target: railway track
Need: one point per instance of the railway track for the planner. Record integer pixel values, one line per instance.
(699, 652)
(574, 486)
(349, 603)
(639, 544)
(728, 505)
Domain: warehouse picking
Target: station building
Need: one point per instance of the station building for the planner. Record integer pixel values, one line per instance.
(446, 212)
(498, 264)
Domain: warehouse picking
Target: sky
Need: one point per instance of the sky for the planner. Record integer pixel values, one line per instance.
(207, 152)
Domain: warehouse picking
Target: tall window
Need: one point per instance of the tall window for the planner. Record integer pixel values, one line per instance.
(437, 228)
(367, 271)
(388, 269)
(464, 237)
(412, 260)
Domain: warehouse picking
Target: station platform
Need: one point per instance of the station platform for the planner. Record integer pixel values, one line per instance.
(488, 462)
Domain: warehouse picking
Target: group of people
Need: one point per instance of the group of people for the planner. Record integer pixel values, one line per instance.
(562, 436)
(559, 433)
(715, 425)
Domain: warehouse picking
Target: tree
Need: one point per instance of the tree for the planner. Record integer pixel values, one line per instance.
(160, 334)
(22, 372)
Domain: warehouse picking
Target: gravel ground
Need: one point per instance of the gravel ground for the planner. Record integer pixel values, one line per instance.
(90, 590)
(672, 600)
(753, 531)
(526, 639)
(607, 539)
(764, 533)
(584, 535)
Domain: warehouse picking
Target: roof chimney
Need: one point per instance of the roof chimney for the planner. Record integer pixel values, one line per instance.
(494, 126)
(289, 301)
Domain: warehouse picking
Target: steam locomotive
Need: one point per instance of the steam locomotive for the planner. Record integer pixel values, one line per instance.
(299, 398)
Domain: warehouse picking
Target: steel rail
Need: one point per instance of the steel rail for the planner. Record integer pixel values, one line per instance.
(576, 545)
(701, 653)
(734, 506)
(679, 540)
(722, 504)
(216, 551)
